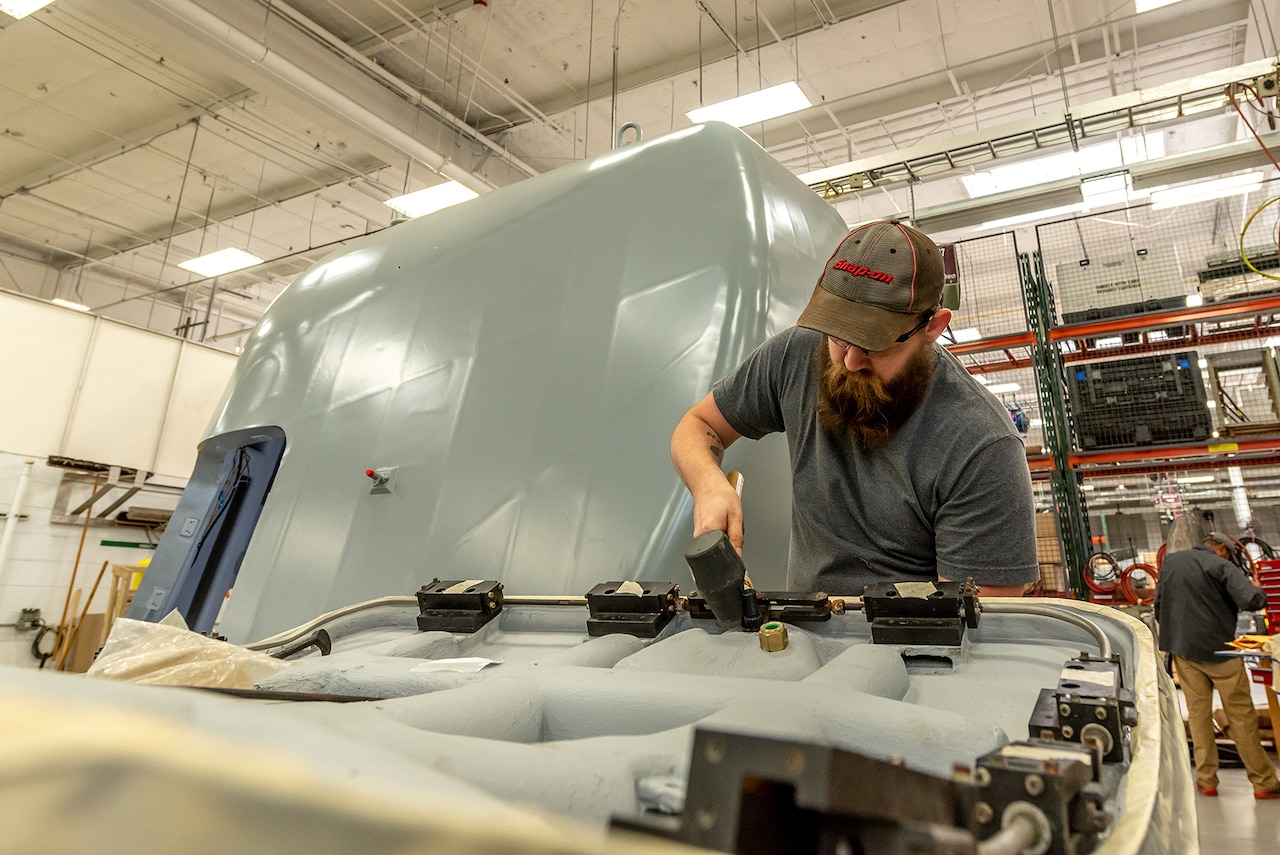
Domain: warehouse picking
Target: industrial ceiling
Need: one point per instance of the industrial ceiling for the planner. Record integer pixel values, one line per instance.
(137, 134)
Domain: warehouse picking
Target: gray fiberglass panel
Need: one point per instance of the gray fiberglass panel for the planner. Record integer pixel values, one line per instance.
(591, 728)
(520, 361)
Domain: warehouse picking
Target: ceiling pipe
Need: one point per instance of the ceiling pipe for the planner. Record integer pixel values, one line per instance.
(254, 52)
(398, 84)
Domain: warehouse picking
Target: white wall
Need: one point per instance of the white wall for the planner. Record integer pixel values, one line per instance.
(92, 389)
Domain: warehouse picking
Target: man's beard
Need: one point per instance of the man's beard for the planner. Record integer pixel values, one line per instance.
(867, 408)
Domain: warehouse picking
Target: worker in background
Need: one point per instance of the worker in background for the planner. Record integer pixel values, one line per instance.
(903, 466)
(1198, 597)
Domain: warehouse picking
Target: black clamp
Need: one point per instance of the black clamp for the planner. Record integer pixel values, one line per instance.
(1090, 705)
(458, 606)
(641, 609)
(921, 613)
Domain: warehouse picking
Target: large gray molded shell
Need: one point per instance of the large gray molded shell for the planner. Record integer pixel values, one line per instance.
(522, 359)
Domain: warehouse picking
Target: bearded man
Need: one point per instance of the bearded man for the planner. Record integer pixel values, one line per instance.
(904, 468)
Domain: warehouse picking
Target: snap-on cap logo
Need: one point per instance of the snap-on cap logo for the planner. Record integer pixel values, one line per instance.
(859, 270)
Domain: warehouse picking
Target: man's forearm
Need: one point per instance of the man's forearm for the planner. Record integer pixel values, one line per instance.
(697, 453)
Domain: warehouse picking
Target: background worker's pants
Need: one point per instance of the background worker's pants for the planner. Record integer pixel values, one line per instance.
(1198, 680)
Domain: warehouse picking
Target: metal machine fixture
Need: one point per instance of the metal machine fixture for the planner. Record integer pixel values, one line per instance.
(1090, 705)
(641, 609)
(921, 613)
(458, 606)
(753, 794)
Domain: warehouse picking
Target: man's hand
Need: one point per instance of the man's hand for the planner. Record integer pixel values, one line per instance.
(697, 450)
(719, 509)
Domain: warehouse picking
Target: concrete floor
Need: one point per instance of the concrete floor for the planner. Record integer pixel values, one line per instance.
(1235, 823)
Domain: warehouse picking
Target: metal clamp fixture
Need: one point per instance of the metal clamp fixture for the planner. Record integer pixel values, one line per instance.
(458, 606)
(641, 609)
(921, 613)
(1090, 706)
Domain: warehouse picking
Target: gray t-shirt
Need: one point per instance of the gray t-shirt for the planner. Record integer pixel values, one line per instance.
(950, 495)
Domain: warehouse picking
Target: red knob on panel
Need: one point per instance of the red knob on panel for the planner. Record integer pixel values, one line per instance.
(370, 473)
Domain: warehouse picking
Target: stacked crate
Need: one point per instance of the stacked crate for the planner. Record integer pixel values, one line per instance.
(1049, 553)
(1147, 400)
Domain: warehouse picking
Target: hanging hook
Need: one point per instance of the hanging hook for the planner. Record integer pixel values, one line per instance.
(622, 132)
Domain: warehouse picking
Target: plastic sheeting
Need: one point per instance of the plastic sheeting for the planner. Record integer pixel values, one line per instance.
(1184, 533)
(160, 654)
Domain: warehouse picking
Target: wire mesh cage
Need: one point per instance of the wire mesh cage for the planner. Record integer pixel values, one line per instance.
(992, 308)
(986, 270)
(1166, 333)
(991, 312)
(1166, 315)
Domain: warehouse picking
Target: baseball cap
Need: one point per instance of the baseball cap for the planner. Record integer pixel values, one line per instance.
(1219, 537)
(875, 285)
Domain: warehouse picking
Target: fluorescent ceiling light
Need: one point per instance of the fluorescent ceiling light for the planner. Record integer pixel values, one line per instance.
(1141, 6)
(1002, 388)
(754, 107)
(222, 261)
(966, 335)
(1087, 487)
(1059, 211)
(432, 199)
(1195, 479)
(22, 8)
(1205, 191)
(1102, 157)
(79, 307)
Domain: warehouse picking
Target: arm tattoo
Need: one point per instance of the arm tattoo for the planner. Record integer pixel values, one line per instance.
(716, 450)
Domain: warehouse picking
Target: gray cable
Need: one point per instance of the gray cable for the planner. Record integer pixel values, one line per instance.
(1104, 644)
(282, 638)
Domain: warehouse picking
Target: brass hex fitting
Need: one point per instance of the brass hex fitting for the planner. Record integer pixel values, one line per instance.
(773, 636)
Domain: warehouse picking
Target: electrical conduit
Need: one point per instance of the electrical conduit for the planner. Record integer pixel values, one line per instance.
(15, 509)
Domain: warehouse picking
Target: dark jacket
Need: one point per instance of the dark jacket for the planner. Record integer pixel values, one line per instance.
(1198, 596)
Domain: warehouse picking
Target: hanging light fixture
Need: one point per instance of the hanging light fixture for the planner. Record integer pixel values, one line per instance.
(22, 8)
(755, 106)
(222, 261)
(421, 202)
(1205, 191)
